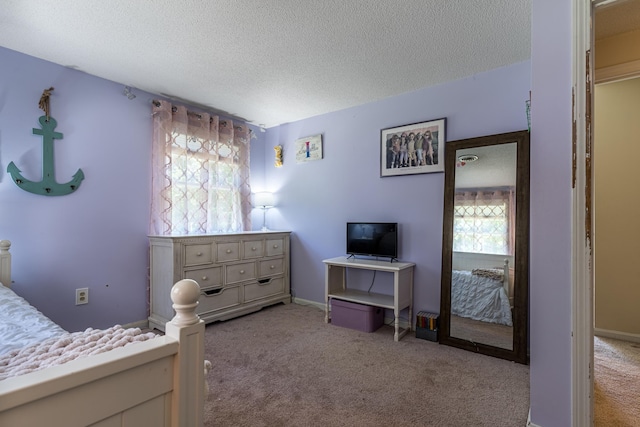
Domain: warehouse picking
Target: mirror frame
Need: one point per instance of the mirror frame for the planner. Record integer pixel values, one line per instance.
(519, 350)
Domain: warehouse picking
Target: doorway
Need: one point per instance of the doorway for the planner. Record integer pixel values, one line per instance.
(616, 355)
(616, 101)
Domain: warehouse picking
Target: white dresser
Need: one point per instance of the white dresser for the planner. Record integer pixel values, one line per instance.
(237, 273)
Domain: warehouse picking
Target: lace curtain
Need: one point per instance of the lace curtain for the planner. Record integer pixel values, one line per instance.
(200, 173)
(484, 221)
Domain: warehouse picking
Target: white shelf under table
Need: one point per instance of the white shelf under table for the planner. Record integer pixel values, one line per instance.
(363, 297)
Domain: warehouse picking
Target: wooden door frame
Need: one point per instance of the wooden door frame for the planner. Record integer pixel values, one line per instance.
(582, 212)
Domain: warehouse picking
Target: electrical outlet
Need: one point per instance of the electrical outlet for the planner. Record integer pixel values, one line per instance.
(82, 296)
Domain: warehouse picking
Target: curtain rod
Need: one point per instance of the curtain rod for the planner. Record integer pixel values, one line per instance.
(174, 109)
(191, 113)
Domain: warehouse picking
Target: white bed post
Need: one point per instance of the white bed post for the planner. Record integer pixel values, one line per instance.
(5, 263)
(186, 327)
(506, 279)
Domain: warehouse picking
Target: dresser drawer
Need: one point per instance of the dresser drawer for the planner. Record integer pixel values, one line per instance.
(268, 287)
(270, 267)
(253, 249)
(206, 277)
(197, 254)
(218, 298)
(241, 272)
(275, 247)
(228, 251)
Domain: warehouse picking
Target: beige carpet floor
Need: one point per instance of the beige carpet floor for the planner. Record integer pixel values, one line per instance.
(616, 383)
(284, 366)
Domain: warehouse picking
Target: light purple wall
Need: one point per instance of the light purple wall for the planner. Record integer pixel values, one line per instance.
(316, 199)
(550, 264)
(97, 236)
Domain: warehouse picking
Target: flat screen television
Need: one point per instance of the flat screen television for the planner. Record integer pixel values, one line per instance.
(376, 239)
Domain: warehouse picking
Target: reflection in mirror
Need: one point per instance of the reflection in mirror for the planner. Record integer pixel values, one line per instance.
(484, 303)
(483, 245)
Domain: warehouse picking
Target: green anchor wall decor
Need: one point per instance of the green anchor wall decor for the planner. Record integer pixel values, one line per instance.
(48, 185)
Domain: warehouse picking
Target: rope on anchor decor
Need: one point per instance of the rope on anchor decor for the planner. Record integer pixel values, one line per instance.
(43, 104)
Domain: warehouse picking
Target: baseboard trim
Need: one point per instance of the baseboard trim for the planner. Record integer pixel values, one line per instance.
(529, 423)
(142, 324)
(389, 322)
(623, 336)
(301, 301)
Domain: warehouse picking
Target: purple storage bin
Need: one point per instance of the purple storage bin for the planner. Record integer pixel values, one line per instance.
(361, 317)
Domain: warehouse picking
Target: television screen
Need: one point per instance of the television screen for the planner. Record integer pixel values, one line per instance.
(378, 239)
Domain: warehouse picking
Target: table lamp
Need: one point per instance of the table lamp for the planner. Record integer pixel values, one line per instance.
(263, 201)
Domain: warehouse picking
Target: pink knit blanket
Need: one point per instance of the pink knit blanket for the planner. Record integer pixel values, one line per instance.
(69, 346)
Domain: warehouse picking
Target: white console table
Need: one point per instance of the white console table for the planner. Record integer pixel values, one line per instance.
(336, 287)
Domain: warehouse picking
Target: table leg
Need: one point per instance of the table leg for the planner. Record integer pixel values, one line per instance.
(410, 327)
(396, 335)
(326, 311)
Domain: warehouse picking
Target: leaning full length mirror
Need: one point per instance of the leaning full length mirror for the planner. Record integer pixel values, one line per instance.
(484, 299)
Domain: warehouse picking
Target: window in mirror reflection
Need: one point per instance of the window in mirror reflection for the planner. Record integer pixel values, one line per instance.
(484, 221)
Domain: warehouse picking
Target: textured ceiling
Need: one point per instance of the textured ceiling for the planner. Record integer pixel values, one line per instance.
(272, 61)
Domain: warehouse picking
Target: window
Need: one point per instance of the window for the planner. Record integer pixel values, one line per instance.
(200, 173)
(482, 221)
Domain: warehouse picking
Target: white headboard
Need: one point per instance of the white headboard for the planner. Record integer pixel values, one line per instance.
(5, 263)
(470, 260)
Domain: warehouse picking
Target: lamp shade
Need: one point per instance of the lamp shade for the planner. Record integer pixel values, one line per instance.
(263, 200)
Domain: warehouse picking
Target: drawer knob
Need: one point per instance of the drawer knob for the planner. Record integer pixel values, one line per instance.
(275, 246)
(253, 248)
(272, 267)
(228, 251)
(205, 278)
(199, 254)
(241, 271)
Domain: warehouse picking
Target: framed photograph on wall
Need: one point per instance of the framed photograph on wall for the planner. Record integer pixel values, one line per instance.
(412, 149)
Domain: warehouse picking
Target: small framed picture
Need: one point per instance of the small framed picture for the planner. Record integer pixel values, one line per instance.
(309, 149)
(412, 149)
